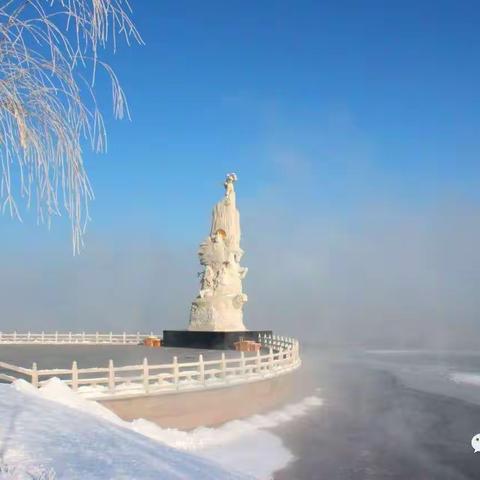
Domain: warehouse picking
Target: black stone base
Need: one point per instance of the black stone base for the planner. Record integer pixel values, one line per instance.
(208, 340)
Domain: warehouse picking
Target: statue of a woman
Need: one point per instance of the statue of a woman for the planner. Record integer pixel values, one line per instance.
(225, 216)
(228, 184)
(219, 304)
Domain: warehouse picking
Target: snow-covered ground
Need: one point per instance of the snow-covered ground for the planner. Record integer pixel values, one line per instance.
(75, 438)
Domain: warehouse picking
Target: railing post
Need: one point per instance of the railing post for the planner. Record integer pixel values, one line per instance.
(270, 359)
(242, 363)
(124, 338)
(34, 375)
(257, 362)
(175, 372)
(97, 340)
(201, 369)
(146, 378)
(29, 336)
(111, 337)
(74, 376)
(111, 377)
(138, 338)
(223, 367)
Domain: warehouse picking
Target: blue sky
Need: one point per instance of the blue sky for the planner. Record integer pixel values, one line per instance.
(354, 128)
(367, 102)
(331, 103)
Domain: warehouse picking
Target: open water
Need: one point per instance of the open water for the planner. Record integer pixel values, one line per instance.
(387, 415)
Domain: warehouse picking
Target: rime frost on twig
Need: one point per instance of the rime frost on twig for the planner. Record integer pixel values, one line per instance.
(8, 472)
(48, 62)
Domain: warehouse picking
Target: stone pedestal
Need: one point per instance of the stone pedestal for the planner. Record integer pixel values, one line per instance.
(209, 340)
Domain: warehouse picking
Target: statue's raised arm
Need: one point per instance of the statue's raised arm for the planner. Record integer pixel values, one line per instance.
(225, 216)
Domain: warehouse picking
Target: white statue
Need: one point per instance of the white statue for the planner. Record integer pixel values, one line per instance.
(219, 304)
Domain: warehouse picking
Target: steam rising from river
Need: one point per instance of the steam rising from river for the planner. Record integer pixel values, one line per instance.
(387, 278)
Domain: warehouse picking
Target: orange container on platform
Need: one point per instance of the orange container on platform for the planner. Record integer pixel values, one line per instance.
(247, 346)
(152, 342)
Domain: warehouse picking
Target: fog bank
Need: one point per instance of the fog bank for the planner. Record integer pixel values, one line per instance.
(385, 276)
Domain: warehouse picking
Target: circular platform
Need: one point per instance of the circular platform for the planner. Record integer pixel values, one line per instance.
(62, 356)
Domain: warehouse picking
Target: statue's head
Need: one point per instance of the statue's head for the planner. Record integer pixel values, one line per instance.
(231, 178)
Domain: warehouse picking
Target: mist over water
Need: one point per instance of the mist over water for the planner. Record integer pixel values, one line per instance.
(387, 278)
(390, 415)
(340, 249)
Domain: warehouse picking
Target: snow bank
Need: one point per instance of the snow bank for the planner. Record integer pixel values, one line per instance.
(237, 445)
(37, 435)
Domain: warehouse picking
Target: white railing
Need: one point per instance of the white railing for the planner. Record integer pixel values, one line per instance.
(280, 355)
(81, 338)
(276, 342)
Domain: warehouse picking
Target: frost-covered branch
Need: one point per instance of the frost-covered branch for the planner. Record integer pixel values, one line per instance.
(8, 472)
(49, 56)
